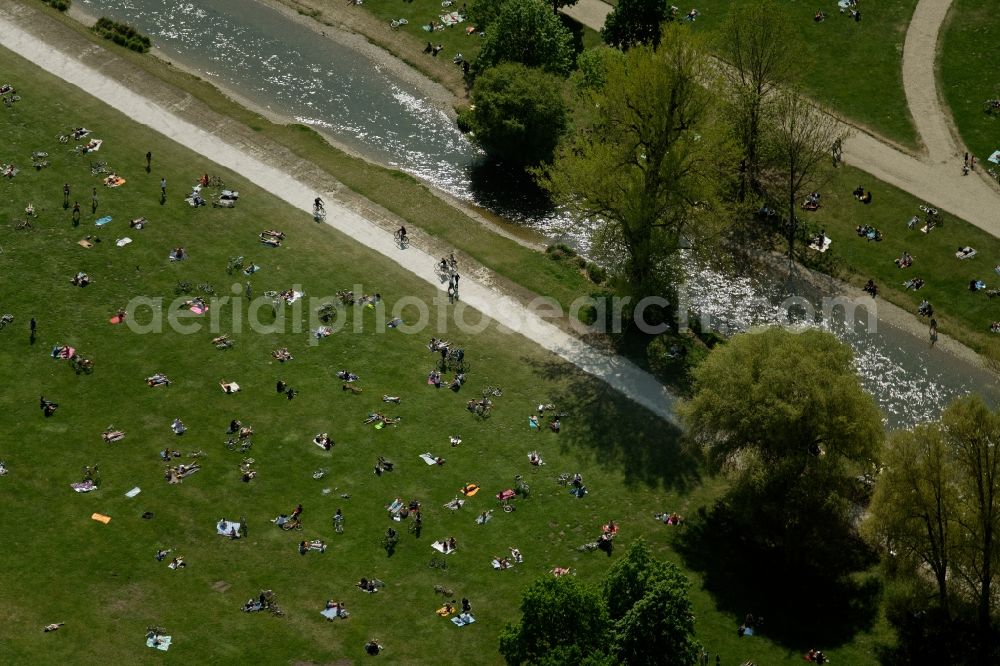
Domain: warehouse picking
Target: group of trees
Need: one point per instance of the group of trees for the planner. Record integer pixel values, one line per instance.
(936, 516)
(661, 144)
(639, 615)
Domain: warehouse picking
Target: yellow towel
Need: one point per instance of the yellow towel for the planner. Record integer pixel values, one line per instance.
(101, 518)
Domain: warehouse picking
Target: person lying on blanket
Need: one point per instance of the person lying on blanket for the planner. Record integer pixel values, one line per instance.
(347, 376)
(159, 379)
(516, 555)
(229, 387)
(81, 279)
(323, 440)
(113, 436)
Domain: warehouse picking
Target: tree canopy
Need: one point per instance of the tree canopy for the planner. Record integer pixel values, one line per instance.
(528, 32)
(519, 113)
(643, 161)
(642, 615)
(635, 22)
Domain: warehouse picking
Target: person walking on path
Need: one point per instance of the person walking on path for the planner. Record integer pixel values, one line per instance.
(65, 196)
(93, 201)
(933, 331)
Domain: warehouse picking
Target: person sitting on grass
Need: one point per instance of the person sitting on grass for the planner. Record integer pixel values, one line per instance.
(554, 425)
(995, 327)
(81, 279)
(925, 309)
(457, 382)
(347, 376)
(914, 284)
(323, 441)
(434, 378)
(373, 647)
(905, 260)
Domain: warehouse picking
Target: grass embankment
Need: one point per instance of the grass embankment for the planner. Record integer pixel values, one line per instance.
(102, 580)
(968, 74)
(397, 192)
(961, 313)
(850, 67)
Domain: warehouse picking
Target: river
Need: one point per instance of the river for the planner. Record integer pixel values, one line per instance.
(262, 55)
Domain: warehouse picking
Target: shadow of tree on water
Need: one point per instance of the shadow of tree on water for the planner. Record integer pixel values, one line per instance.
(620, 433)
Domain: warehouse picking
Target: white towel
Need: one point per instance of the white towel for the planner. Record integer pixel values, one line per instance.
(132, 493)
(428, 458)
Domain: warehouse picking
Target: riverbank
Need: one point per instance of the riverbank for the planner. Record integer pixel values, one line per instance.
(521, 274)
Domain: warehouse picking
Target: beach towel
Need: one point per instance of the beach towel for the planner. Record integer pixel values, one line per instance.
(462, 620)
(331, 613)
(251, 269)
(122, 242)
(395, 506)
(132, 493)
(94, 145)
(159, 642)
(226, 527)
(101, 518)
(451, 18)
(233, 386)
(821, 248)
(428, 458)
(83, 486)
(102, 221)
(439, 547)
(85, 243)
(470, 490)
(296, 295)
(995, 157)
(198, 309)
(444, 611)
(116, 320)
(114, 181)
(379, 425)
(484, 518)
(455, 504)
(533, 423)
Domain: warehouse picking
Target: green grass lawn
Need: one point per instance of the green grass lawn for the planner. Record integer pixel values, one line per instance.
(853, 68)
(964, 314)
(968, 73)
(102, 580)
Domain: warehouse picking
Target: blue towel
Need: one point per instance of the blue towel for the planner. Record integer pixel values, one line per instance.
(104, 220)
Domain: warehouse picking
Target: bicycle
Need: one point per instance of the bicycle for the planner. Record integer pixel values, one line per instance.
(438, 563)
(991, 106)
(6, 319)
(242, 445)
(492, 390)
(402, 240)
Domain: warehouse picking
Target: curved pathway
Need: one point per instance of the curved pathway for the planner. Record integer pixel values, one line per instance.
(298, 187)
(935, 177)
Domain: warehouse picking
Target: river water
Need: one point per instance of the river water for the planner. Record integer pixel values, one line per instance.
(270, 59)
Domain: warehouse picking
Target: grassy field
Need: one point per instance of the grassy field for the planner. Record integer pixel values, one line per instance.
(968, 73)
(102, 580)
(852, 68)
(961, 313)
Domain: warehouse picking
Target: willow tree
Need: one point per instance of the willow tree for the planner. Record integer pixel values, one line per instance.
(643, 161)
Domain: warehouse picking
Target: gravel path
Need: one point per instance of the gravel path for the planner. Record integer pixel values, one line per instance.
(40, 41)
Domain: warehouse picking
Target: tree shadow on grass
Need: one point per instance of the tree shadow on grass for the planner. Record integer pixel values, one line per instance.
(803, 605)
(620, 433)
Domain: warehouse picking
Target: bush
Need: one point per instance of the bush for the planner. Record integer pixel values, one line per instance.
(61, 5)
(560, 251)
(122, 34)
(596, 274)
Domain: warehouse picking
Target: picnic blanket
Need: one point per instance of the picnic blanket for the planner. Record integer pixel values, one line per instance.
(333, 613)
(114, 181)
(102, 221)
(83, 486)
(395, 506)
(233, 386)
(85, 243)
(159, 642)
(439, 547)
(132, 493)
(995, 157)
(93, 145)
(821, 248)
(962, 254)
(451, 18)
(122, 242)
(428, 458)
(226, 527)
(462, 620)
(470, 490)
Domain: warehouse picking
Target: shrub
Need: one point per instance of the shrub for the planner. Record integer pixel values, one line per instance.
(61, 5)
(122, 34)
(596, 274)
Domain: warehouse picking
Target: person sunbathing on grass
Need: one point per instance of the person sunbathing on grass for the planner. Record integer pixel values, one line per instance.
(905, 260)
(273, 242)
(323, 441)
(229, 387)
(535, 459)
(282, 354)
(353, 389)
(273, 233)
(159, 379)
(347, 376)
(391, 398)
(81, 279)
(111, 436)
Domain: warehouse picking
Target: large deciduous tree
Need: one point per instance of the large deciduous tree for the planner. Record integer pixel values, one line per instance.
(526, 31)
(783, 414)
(758, 51)
(563, 622)
(519, 113)
(801, 139)
(652, 615)
(644, 161)
(635, 22)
